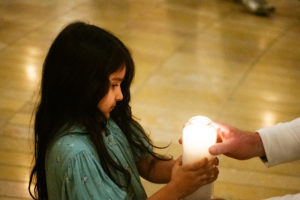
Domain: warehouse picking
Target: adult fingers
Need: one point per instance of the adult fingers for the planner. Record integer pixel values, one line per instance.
(219, 148)
(217, 125)
(222, 129)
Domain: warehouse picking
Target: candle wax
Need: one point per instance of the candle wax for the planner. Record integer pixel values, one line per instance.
(198, 136)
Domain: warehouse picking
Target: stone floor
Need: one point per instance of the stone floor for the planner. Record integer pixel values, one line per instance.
(193, 57)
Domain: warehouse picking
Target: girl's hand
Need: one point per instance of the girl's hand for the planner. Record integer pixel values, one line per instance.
(189, 177)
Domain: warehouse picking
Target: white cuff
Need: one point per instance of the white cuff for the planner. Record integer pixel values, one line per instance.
(281, 142)
(286, 197)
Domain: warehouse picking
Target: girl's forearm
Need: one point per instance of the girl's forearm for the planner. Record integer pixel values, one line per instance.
(161, 171)
(154, 170)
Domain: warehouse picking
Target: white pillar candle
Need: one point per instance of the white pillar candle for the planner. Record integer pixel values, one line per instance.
(198, 135)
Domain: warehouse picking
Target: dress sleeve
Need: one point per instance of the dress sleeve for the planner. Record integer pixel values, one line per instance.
(86, 179)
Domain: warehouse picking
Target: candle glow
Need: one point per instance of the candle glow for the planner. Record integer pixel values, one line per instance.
(198, 135)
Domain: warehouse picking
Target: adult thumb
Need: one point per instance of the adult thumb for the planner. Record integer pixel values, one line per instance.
(218, 148)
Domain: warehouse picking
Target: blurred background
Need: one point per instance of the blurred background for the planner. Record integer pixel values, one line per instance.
(193, 57)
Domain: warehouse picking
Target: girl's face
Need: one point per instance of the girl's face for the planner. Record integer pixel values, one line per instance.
(114, 94)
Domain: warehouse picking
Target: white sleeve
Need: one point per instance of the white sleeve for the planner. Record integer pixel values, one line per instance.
(286, 197)
(281, 142)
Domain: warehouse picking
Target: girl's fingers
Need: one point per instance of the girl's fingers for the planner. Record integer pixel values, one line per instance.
(213, 161)
(180, 140)
(210, 180)
(196, 165)
(202, 164)
(179, 160)
(204, 171)
(209, 176)
(214, 175)
(205, 179)
(207, 172)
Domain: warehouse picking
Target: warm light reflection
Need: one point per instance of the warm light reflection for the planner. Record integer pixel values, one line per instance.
(269, 118)
(198, 135)
(32, 60)
(271, 96)
(262, 43)
(33, 51)
(31, 72)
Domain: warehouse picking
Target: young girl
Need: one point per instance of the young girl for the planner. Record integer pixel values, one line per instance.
(87, 144)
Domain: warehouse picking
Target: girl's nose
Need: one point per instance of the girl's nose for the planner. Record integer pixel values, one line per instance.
(119, 96)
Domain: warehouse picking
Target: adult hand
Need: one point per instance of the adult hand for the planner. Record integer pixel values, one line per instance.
(237, 143)
(189, 177)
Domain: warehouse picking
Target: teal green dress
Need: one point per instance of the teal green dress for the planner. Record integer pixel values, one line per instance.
(73, 171)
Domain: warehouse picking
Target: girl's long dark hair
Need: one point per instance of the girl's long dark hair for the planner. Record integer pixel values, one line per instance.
(75, 78)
